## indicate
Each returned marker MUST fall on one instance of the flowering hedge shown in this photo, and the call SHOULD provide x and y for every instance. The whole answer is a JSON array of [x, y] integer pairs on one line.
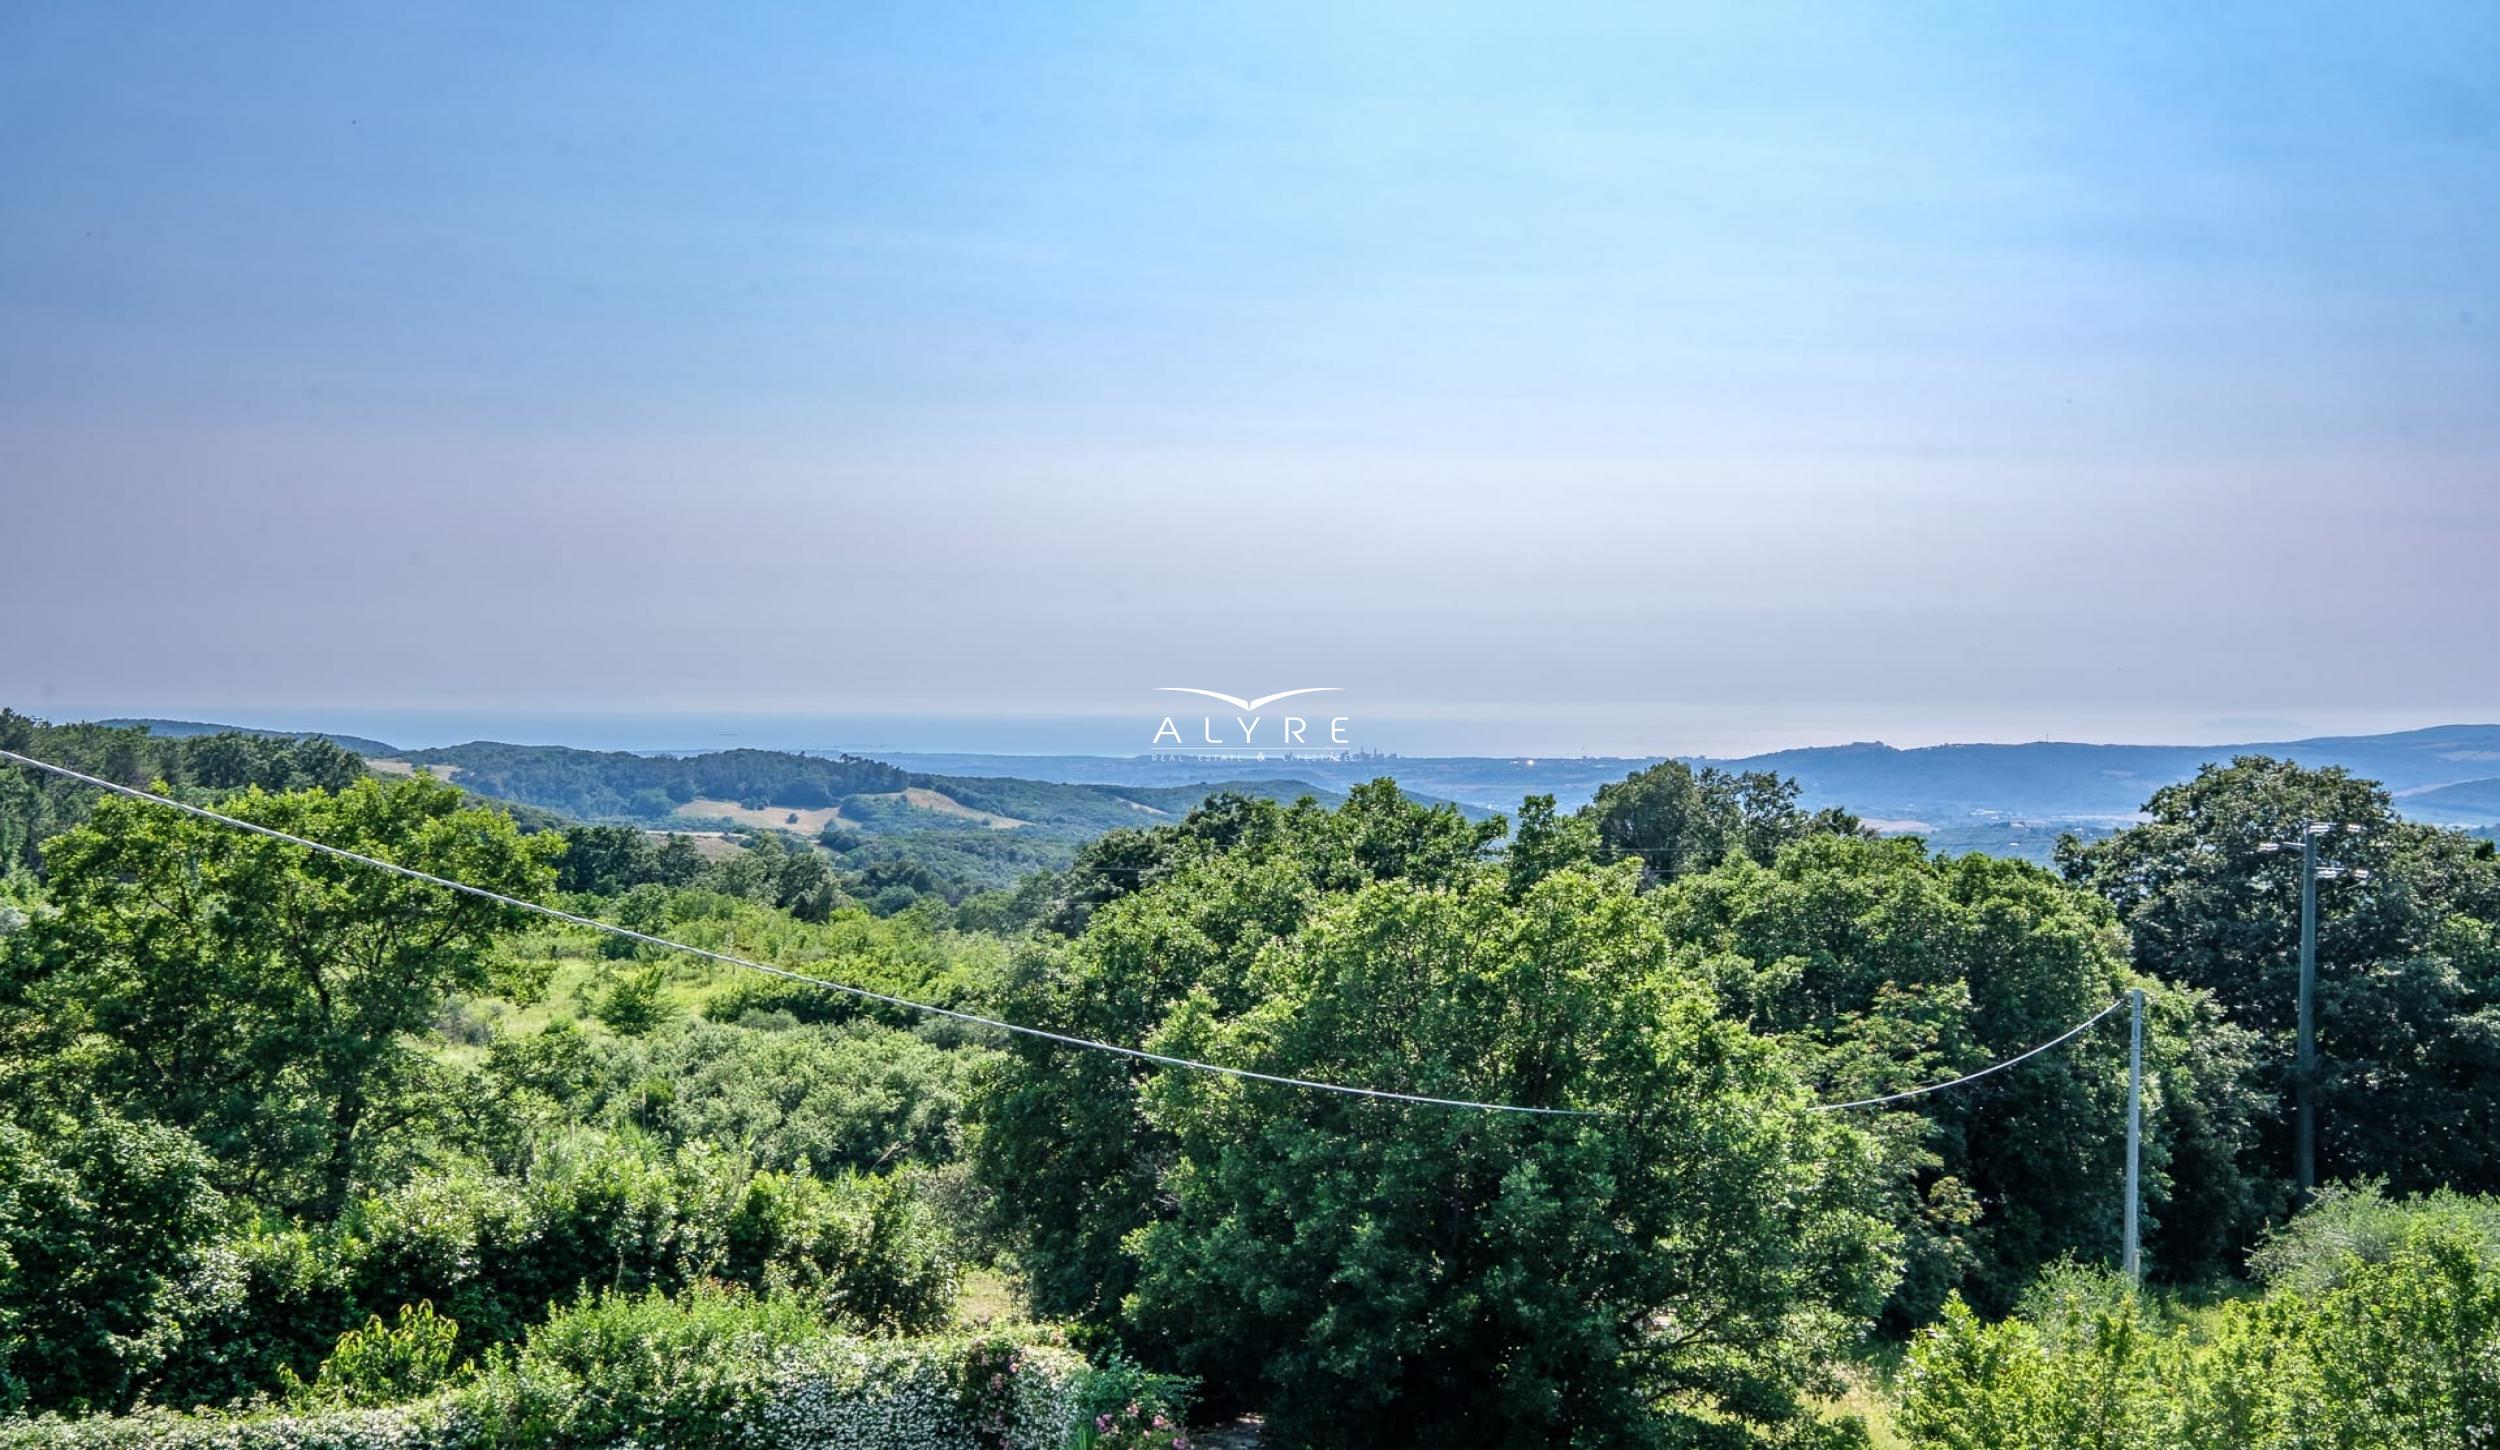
[[423, 1426], [709, 1368]]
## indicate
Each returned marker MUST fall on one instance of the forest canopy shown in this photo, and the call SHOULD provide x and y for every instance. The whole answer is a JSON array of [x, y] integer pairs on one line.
[[289, 1141]]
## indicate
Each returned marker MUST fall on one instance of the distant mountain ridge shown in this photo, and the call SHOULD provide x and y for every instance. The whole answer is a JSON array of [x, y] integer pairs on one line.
[[2471, 802], [1938, 785], [1996, 796], [2072, 779], [184, 729]]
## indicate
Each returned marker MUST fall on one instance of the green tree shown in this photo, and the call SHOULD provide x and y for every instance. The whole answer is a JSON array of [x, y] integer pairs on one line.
[[1382, 1274], [1069, 1146], [1675, 820], [1378, 1274], [2408, 961], [1886, 969], [606, 860], [634, 1002], [1546, 842], [264, 998]]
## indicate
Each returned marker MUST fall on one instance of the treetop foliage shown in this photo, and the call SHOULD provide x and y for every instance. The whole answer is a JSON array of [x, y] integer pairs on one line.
[[2408, 959], [34, 808], [278, 1125]]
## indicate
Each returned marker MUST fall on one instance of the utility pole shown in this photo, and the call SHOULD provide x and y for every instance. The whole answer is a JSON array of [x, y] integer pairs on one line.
[[2305, 1127], [2305, 1048], [2135, 1137]]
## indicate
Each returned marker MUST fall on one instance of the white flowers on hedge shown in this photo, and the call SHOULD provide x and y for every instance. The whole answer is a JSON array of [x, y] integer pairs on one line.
[[895, 1395], [426, 1425], [862, 1394]]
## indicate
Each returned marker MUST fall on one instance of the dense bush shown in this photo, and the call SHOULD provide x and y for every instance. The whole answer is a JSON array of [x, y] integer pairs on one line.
[[910, 956], [426, 1425], [820, 1098], [2397, 1350], [106, 1235], [2358, 1224], [122, 1273], [715, 1368], [494, 1252], [708, 1368]]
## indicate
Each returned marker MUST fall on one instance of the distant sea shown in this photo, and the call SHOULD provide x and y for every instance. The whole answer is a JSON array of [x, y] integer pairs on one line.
[[688, 731], [1612, 732], [1117, 736]]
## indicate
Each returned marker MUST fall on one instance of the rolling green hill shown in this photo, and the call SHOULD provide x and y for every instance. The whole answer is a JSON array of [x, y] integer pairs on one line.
[[755, 787], [2471, 802], [189, 729]]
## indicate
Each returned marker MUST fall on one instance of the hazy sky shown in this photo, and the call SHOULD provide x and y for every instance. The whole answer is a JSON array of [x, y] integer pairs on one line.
[[1631, 378]]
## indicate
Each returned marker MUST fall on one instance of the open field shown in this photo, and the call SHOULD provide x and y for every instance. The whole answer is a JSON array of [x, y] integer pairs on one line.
[[945, 805], [779, 818], [387, 766]]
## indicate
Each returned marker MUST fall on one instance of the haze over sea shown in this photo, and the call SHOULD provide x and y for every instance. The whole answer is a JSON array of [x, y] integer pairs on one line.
[[1516, 731]]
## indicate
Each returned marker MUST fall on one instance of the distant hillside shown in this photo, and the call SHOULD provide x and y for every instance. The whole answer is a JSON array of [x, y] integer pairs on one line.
[[184, 729], [2472, 802], [1016, 811], [985, 831], [1941, 786], [2061, 779], [2013, 800], [769, 787]]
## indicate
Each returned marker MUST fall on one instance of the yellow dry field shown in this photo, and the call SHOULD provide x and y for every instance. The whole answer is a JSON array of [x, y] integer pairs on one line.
[[710, 845], [947, 805], [401, 767], [775, 817]]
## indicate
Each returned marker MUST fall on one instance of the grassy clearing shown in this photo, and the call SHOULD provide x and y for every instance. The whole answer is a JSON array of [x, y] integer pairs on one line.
[[402, 767], [778, 818], [989, 1297], [939, 803]]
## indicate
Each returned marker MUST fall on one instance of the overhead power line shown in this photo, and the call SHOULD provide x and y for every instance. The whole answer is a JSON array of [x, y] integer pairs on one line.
[[2059, 1040], [929, 1008], [726, 958]]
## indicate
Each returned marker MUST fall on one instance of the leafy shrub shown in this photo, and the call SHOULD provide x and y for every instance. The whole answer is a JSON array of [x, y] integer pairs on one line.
[[385, 1364], [2352, 1223], [2084, 1384], [825, 1099], [106, 1234], [2392, 1351], [494, 1252], [426, 1425], [710, 1367], [632, 1003], [639, 1366], [716, 1367], [1126, 1407], [282, 1304]]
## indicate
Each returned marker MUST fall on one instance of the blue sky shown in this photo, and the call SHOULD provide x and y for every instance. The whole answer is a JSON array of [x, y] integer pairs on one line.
[[1622, 378]]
